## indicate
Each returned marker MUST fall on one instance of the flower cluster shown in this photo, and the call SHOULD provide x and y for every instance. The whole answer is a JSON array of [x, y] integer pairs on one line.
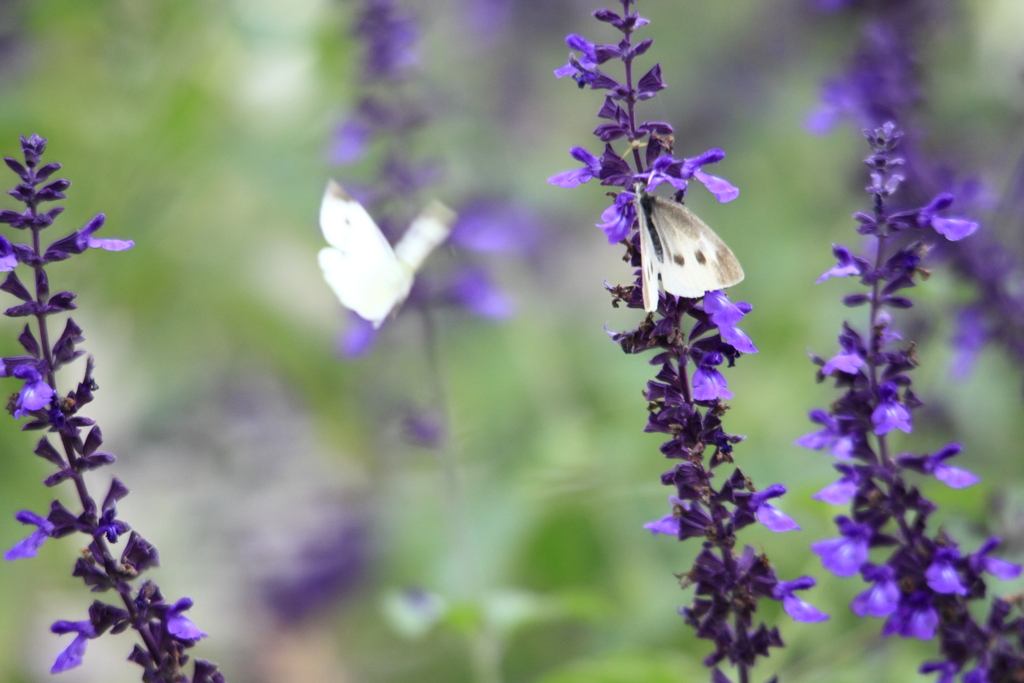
[[692, 338], [883, 82], [922, 584], [388, 116], [166, 633]]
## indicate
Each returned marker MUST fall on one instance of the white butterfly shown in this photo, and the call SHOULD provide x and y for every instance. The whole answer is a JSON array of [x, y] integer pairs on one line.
[[677, 246], [369, 276]]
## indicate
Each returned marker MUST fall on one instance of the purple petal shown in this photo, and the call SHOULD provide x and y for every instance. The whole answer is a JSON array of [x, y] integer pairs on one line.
[[775, 519], [737, 338], [954, 477], [953, 229], [358, 338], [180, 626], [890, 415], [842, 449], [35, 395], [71, 656], [473, 289], [802, 611], [942, 577], [709, 384], [838, 493], [567, 70], [838, 271], [880, 600], [110, 244], [841, 556], [722, 190], [668, 525], [28, 547], [351, 141], [849, 363], [922, 624], [1001, 569], [571, 178]]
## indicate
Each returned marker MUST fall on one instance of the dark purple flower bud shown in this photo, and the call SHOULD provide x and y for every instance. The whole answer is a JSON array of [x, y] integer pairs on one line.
[[934, 464], [844, 556], [139, 554], [117, 490], [914, 618], [883, 598], [12, 285], [72, 655], [889, 414], [650, 83], [91, 575], [205, 672], [30, 546], [794, 606]]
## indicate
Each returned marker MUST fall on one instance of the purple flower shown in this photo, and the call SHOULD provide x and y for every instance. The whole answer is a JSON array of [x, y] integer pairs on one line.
[[359, 337], [841, 445], [883, 598], [840, 492], [73, 653], [34, 394], [794, 606], [941, 573], [849, 363], [669, 524], [179, 625], [8, 260], [708, 383], [665, 169], [980, 561], [844, 556], [30, 546], [591, 169], [472, 289], [619, 217], [725, 315], [934, 464], [914, 618], [847, 265], [889, 414], [722, 190], [769, 515], [953, 229]]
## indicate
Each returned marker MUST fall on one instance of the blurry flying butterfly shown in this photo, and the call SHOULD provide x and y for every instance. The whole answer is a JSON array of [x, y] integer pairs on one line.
[[361, 267], [678, 247]]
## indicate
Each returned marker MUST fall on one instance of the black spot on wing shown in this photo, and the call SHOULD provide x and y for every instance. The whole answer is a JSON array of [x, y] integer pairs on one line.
[[678, 258], [700, 257]]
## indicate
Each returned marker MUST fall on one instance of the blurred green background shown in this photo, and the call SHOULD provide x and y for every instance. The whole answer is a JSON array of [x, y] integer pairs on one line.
[[200, 128]]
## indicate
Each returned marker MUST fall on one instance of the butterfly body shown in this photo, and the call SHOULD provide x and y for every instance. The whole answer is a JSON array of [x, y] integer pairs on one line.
[[678, 248], [368, 275]]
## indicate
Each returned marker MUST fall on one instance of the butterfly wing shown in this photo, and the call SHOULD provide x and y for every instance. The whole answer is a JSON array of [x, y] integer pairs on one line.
[[360, 265], [650, 253], [694, 260], [427, 231]]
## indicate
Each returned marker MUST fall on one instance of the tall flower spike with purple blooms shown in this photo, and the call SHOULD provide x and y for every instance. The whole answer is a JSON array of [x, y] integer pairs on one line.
[[686, 397], [924, 585], [884, 82], [387, 117], [164, 630]]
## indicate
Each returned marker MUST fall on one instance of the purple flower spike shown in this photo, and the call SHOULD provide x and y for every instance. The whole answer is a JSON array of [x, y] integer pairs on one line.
[[844, 556], [941, 573], [889, 414], [980, 561], [841, 491], [914, 618], [953, 477], [30, 546], [883, 598], [73, 653], [794, 606], [591, 169]]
